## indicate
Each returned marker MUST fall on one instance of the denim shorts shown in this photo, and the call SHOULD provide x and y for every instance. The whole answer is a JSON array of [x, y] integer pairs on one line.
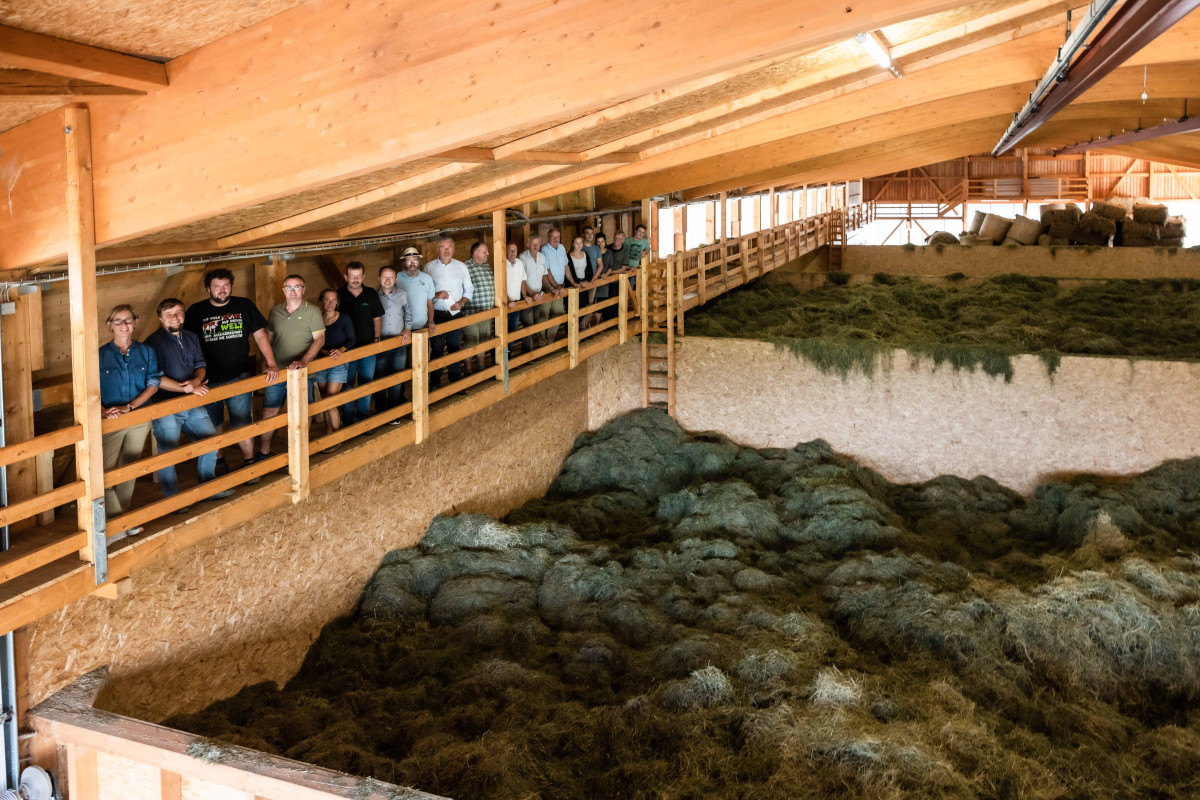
[[335, 374], [239, 407], [276, 392]]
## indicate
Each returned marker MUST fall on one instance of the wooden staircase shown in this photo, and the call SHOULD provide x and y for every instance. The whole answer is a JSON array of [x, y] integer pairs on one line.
[[837, 240]]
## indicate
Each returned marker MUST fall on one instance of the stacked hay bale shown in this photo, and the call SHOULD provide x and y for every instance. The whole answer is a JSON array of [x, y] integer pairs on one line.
[[976, 223], [1060, 221], [1093, 228], [1173, 232], [1024, 231], [995, 227]]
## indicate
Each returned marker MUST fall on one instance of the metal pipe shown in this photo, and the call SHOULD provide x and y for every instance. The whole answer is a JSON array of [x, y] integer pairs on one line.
[[1135, 25], [1184, 125], [1057, 71]]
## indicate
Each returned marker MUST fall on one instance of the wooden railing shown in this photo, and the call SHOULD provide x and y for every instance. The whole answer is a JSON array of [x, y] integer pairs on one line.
[[107, 756], [711, 270], [44, 554]]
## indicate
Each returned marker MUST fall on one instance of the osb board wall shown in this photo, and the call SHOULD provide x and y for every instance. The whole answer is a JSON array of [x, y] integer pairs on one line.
[[614, 382], [244, 606], [912, 422], [1058, 262]]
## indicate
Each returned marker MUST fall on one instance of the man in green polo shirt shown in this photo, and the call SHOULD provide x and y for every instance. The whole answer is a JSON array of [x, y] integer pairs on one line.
[[297, 331]]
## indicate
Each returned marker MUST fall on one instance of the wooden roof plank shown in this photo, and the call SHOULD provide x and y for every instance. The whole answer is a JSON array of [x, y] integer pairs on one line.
[[33, 51]]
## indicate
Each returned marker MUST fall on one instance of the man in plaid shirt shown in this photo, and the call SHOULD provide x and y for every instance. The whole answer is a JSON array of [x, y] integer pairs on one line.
[[483, 298]]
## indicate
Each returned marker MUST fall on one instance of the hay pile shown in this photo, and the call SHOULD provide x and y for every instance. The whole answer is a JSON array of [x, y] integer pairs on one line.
[[684, 617], [968, 325]]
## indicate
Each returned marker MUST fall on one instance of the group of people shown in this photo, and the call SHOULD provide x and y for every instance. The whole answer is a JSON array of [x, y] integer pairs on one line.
[[200, 347]]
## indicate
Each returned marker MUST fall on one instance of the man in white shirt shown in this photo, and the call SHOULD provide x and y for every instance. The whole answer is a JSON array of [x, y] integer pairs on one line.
[[539, 283], [452, 291], [556, 265], [519, 295]]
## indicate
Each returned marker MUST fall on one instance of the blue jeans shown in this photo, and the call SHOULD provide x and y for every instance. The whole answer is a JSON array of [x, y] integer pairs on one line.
[[360, 372], [389, 363], [239, 407], [196, 423], [441, 344], [514, 321]]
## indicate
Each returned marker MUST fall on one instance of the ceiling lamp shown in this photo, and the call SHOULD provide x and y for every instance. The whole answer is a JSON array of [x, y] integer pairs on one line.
[[877, 47]]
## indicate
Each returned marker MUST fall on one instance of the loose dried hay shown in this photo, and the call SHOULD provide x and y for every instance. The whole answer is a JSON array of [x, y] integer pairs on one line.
[[1045, 644]]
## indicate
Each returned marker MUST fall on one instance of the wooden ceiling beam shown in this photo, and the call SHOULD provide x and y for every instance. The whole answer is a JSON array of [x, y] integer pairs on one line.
[[235, 129], [771, 165], [631, 106], [27, 86], [486, 155], [461, 196], [343, 206], [836, 81], [524, 194], [33, 51]]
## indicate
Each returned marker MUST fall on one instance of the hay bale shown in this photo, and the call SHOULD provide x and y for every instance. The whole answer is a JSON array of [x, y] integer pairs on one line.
[[1170, 242], [1011, 242], [1108, 210], [1174, 228], [1138, 234], [976, 241], [995, 227], [1065, 214], [1097, 225], [941, 237], [1025, 230], [1150, 214], [1062, 230], [977, 220], [1045, 240]]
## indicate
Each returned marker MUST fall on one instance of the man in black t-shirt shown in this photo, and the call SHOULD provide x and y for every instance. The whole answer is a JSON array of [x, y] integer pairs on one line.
[[225, 325], [361, 303]]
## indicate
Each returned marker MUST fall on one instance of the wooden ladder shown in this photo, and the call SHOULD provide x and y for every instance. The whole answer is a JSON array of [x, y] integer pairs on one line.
[[837, 240], [658, 357]]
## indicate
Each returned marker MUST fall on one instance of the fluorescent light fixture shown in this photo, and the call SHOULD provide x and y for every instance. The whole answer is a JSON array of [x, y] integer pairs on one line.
[[873, 43]]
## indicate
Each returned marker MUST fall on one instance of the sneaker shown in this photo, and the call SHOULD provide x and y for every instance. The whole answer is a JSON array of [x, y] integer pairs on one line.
[[221, 495], [396, 422]]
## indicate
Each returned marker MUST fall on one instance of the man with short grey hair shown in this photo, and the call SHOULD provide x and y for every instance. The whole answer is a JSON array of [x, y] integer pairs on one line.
[[452, 291]]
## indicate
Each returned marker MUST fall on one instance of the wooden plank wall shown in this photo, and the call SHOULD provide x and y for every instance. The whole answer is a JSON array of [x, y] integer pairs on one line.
[[1111, 176]]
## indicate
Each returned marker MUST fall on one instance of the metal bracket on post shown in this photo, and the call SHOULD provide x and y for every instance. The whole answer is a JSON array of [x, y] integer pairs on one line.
[[100, 540], [505, 369]]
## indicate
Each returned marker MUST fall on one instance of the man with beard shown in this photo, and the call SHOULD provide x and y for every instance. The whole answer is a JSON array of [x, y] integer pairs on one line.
[[183, 372], [225, 324]]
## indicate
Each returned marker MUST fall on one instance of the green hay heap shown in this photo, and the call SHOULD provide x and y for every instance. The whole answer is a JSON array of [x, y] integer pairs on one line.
[[978, 326], [683, 617]]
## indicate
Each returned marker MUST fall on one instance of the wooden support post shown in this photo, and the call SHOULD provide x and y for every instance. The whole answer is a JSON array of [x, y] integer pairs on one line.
[[82, 779], [677, 223], [573, 325], [722, 218], [710, 223], [735, 219], [44, 480], [85, 345], [644, 325], [420, 385], [170, 785], [672, 269], [268, 284], [18, 399], [500, 271], [756, 212], [622, 309], [297, 427], [648, 220]]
